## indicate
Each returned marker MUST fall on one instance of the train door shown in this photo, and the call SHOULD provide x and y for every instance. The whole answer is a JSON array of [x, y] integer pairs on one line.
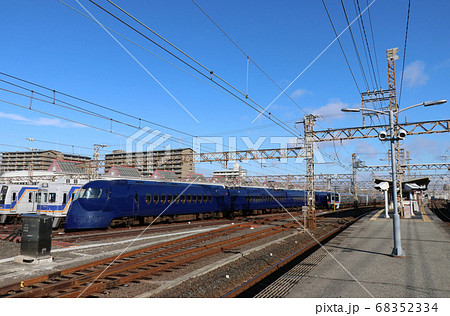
[[3, 201], [27, 202], [135, 204], [42, 200]]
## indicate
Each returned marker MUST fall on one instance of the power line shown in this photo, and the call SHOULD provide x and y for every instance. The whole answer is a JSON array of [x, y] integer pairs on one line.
[[365, 45], [78, 110], [210, 74], [247, 56], [355, 46], [340, 45], [368, 48], [81, 109], [404, 53], [373, 43]]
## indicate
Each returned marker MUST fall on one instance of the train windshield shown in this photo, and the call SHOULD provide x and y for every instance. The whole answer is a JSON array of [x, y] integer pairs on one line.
[[90, 193]]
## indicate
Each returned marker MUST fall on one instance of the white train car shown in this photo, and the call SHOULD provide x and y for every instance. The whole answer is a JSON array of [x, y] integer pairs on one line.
[[17, 199], [54, 199]]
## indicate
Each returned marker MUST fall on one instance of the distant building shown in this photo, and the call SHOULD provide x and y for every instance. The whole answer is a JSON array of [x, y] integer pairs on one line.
[[236, 172], [150, 161], [37, 160]]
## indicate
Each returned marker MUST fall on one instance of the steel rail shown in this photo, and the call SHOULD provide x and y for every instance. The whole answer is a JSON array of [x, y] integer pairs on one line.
[[248, 284], [17, 287]]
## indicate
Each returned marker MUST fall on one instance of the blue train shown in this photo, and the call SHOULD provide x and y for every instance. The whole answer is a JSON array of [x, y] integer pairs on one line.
[[99, 202]]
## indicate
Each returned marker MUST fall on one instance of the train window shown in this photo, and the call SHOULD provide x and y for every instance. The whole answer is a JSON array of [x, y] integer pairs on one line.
[[194, 198], [90, 193], [163, 198], [182, 198], [14, 195], [210, 198], [136, 198], [199, 199], [64, 201], [38, 197], [156, 198], [45, 198], [30, 197], [169, 198], [176, 198], [188, 199], [205, 199], [67, 181], [52, 197], [148, 198]]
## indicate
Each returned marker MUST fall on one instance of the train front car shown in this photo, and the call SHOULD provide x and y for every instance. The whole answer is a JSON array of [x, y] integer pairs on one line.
[[90, 209]]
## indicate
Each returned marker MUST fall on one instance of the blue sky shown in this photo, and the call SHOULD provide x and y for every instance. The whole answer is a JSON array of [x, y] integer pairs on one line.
[[47, 43]]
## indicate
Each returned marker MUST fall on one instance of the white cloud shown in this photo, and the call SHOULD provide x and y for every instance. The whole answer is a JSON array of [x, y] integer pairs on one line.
[[332, 109], [298, 93], [14, 117], [425, 148], [41, 121], [415, 74], [366, 149]]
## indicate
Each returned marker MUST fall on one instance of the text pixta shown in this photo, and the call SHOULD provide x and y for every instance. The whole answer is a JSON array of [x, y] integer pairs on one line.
[[337, 308]]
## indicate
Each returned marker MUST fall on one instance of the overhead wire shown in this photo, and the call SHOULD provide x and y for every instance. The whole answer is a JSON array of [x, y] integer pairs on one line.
[[355, 46], [247, 56], [161, 38], [82, 110], [365, 48], [404, 53], [340, 45], [210, 75], [377, 85], [373, 43], [141, 23]]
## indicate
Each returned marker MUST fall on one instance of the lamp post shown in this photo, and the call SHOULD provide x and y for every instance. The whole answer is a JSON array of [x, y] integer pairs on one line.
[[393, 136]]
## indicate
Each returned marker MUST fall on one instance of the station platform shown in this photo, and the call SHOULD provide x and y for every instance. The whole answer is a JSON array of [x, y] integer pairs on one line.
[[358, 262]]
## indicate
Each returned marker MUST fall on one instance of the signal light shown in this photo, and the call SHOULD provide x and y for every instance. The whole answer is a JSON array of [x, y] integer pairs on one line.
[[382, 135], [402, 134]]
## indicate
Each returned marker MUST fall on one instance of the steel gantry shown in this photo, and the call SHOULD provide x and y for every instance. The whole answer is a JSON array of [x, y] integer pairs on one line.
[[244, 155], [363, 132], [424, 166]]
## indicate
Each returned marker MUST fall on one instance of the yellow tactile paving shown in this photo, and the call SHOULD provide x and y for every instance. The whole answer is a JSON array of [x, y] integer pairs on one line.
[[377, 215], [424, 215]]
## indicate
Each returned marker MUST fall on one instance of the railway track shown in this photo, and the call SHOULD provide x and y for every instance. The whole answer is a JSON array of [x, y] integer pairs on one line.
[[441, 209], [125, 232], [141, 264], [279, 283]]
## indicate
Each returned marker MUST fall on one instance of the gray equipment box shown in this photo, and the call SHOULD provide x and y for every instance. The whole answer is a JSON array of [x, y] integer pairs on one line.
[[36, 236]]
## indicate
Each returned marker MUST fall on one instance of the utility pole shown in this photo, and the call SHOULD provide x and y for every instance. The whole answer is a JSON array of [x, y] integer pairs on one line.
[[355, 164], [96, 160], [391, 57], [309, 149]]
